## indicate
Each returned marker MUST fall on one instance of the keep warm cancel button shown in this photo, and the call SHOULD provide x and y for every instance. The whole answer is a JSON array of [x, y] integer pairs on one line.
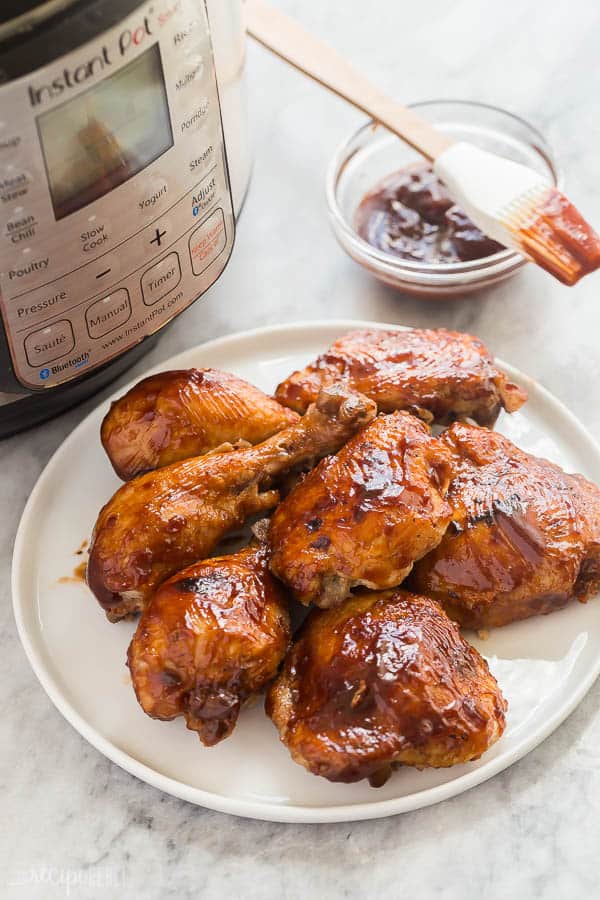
[[207, 241]]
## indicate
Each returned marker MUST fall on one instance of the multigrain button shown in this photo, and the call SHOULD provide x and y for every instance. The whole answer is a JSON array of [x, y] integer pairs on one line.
[[207, 241], [108, 313], [49, 343], [160, 279]]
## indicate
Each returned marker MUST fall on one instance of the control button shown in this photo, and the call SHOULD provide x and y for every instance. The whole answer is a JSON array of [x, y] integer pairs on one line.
[[155, 193], [14, 185], [20, 228], [49, 343], [204, 196], [10, 143], [191, 71], [158, 235], [160, 279], [207, 241], [108, 313], [93, 238], [37, 268], [106, 270]]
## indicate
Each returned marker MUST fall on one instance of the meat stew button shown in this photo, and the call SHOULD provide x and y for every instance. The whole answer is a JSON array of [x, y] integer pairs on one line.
[[161, 278], [108, 313], [49, 343]]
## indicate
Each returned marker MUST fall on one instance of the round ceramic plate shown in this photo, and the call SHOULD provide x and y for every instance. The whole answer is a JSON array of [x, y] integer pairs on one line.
[[544, 665]]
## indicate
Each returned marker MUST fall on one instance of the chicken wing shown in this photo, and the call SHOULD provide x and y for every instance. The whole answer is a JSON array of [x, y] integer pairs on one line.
[[364, 516], [176, 415], [384, 679], [524, 537], [167, 519], [438, 375], [212, 636]]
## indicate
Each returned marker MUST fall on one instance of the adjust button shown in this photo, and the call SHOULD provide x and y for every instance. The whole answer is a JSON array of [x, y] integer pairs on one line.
[[50, 343], [160, 279], [108, 313]]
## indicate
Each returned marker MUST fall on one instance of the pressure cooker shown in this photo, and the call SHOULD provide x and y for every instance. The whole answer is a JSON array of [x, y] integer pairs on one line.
[[123, 165]]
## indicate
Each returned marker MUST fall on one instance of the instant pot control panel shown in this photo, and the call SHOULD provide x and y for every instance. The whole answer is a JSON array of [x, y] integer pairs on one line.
[[115, 204]]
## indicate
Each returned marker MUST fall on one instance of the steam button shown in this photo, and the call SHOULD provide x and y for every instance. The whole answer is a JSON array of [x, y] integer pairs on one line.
[[49, 343]]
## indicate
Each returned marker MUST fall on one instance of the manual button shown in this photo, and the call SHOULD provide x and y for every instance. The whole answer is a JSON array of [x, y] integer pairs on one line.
[[108, 313], [49, 343], [160, 279]]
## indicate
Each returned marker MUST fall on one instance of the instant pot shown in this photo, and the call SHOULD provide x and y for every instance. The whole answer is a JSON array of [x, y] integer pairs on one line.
[[123, 164]]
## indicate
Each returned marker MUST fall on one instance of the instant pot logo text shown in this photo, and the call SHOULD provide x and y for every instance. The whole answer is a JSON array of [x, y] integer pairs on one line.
[[105, 57]]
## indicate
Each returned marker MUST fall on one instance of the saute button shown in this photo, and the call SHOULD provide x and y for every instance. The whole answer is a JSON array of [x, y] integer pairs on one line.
[[108, 313], [207, 241], [49, 343], [161, 278]]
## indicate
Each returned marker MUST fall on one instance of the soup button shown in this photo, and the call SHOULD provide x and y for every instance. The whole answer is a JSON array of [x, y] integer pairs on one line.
[[49, 343]]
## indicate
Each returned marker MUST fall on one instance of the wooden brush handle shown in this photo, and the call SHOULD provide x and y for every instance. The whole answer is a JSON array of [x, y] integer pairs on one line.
[[307, 53]]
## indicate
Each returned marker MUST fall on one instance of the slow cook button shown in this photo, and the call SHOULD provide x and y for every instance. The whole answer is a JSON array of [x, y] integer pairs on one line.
[[207, 241], [108, 313], [160, 279], [49, 343]]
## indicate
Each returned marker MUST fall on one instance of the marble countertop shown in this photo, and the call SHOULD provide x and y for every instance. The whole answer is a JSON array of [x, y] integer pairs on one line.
[[532, 831]]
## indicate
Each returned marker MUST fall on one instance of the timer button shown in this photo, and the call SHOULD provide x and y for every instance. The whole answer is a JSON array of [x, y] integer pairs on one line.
[[160, 279], [49, 343], [108, 313]]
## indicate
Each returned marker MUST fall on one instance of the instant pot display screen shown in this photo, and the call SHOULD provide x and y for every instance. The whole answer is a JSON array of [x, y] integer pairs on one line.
[[107, 134]]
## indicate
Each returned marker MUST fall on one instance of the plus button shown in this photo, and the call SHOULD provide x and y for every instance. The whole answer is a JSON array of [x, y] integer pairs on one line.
[[157, 237]]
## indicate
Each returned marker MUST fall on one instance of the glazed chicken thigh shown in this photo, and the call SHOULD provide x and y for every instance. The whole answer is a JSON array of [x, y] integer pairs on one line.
[[212, 636], [175, 415], [384, 679], [364, 516], [438, 375], [167, 519], [524, 537]]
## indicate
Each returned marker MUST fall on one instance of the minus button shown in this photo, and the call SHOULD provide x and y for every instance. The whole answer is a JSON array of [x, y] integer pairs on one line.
[[102, 274]]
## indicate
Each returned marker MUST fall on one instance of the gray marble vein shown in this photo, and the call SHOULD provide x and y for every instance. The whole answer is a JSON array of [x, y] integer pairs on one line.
[[72, 823]]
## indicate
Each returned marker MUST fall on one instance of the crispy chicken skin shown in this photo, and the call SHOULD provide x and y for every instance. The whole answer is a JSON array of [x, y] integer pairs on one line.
[[364, 516], [212, 636], [167, 519], [384, 679], [176, 415], [524, 537], [438, 375]]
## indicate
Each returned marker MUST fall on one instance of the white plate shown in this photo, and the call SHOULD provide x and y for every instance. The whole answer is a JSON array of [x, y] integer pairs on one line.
[[544, 665]]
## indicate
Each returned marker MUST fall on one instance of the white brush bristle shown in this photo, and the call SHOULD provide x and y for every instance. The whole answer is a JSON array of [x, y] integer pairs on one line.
[[498, 194]]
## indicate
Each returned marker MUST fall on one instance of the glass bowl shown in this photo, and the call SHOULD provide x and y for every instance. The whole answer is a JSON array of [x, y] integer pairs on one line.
[[372, 153]]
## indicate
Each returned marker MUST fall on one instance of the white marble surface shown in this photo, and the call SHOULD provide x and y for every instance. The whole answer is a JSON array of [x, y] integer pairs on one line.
[[70, 816]]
